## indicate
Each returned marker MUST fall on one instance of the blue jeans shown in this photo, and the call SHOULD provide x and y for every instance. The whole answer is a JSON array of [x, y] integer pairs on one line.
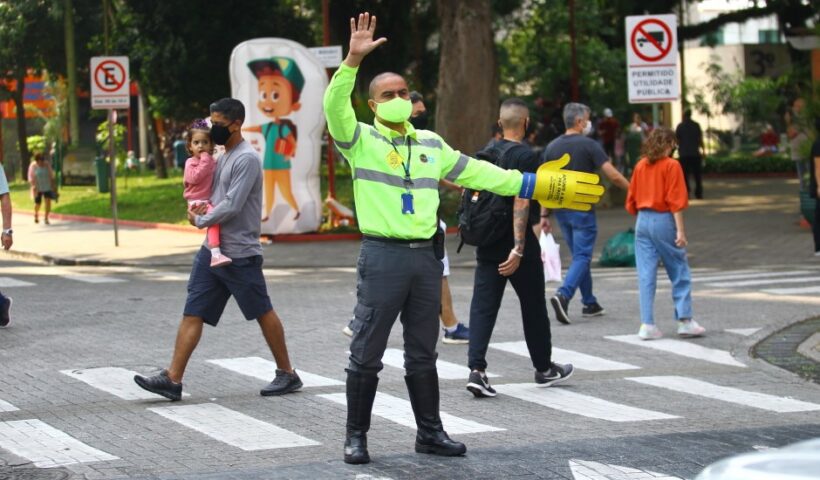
[[579, 230], [655, 234]]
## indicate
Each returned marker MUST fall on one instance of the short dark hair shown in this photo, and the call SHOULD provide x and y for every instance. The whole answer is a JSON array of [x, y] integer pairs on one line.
[[415, 97], [231, 108], [687, 113]]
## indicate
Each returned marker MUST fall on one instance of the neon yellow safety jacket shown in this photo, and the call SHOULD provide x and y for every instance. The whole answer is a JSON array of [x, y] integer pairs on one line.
[[377, 157]]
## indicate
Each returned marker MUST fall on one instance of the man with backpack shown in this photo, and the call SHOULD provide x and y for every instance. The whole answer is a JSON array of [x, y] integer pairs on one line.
[[579, 227], [501, 228]]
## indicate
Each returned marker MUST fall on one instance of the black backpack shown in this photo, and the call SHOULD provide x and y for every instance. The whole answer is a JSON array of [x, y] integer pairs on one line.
[[484, 217]]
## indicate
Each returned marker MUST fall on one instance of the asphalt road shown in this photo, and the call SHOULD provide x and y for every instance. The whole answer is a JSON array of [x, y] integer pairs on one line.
[[68, 409]]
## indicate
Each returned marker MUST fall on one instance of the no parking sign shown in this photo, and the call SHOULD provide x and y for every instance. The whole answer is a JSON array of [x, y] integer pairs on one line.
[[652, 58], [109, 83]]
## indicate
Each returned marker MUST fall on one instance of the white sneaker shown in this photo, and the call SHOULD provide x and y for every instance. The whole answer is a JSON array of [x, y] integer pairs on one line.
[[649, 332], [690, 328], [347, 331]]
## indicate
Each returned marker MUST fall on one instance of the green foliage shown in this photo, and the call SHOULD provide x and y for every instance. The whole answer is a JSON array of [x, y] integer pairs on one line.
[[757, 100], [36, 144], [744, 162], [102, 137]]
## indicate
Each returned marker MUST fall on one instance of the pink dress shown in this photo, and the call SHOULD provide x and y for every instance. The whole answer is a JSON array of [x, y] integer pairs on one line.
[[197, 179]]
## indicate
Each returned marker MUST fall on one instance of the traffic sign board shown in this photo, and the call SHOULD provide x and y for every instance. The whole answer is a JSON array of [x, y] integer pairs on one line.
[[109, 83], [652, 59]]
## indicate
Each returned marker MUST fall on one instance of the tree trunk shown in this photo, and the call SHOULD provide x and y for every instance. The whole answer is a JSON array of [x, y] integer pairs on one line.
[[468, 74], [21, 124], [71, 68], [153, 138]]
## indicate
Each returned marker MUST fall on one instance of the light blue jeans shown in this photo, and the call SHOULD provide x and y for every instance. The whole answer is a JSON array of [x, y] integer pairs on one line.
[[655, 234], [579, 230]]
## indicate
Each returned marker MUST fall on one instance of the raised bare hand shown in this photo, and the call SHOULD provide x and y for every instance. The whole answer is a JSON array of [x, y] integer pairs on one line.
[[361, 36]]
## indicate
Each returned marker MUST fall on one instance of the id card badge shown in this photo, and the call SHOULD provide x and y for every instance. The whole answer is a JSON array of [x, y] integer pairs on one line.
[[407, 203]]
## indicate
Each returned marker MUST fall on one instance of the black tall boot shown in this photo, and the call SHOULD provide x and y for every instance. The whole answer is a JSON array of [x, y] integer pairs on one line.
[[361, 391], [424, 397]]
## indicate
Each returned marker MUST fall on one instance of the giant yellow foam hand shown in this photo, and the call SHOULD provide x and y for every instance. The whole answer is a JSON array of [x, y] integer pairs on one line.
[[559, 188]]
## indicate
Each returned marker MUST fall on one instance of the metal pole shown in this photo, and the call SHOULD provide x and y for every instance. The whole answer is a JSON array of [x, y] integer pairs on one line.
[[655, 115], [331, 167], [112, 118]]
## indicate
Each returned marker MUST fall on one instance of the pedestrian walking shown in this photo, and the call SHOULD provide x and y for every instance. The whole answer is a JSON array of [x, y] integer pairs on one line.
[[608, 130], [7, 240], [396, 172], [41, 179], [797, 133], [198, 178], [657, 195], [237, 200], [579, 228], [691, 150], [814, 188], [515, 257]]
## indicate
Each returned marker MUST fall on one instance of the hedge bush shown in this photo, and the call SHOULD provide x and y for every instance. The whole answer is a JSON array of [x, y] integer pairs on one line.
[[745, 162]]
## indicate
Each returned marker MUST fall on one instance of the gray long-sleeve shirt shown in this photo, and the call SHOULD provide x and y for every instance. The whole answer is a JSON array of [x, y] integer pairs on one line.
[[237, 198]]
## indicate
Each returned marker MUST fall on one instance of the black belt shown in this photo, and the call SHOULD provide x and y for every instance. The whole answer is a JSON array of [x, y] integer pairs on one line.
[[409, 243]]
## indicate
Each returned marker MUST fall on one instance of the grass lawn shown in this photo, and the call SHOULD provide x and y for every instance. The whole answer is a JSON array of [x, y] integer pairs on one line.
[[149, 199]]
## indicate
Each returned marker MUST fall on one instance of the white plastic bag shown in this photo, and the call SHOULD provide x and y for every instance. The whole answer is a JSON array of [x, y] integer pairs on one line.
[[551, 256]]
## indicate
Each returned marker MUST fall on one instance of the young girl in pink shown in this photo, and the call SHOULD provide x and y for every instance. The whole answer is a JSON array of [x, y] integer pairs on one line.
[[198, 178]]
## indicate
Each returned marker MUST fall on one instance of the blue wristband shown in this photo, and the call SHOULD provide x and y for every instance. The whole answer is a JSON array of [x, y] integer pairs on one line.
[[527, 186]]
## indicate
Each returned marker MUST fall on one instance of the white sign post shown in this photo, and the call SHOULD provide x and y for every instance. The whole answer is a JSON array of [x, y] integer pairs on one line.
[[110, 90], [652, 58]]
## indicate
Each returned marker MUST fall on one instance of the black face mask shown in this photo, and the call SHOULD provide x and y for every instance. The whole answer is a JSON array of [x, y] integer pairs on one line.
[[220, 134], [420, 122]]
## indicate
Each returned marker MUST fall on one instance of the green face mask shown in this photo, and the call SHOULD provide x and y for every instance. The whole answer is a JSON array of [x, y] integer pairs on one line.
[[396, 110]]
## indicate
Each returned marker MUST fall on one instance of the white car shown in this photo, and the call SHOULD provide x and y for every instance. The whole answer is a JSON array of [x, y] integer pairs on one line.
[[800, 461]]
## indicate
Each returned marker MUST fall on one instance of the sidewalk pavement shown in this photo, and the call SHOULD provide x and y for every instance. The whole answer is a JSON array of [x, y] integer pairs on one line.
[[743, 222]]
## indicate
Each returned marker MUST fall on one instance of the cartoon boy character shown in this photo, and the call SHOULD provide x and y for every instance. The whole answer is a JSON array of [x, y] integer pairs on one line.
[[280, 84]]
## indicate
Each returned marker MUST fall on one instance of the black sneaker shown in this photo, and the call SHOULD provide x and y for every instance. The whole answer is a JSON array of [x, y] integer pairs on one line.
[[5, 309], [592, 310], [560, 304], [556, 373], [479, 385], [161, 385], [283, 383]]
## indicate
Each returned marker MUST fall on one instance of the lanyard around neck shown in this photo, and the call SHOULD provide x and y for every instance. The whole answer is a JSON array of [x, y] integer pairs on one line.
[[408, 182]]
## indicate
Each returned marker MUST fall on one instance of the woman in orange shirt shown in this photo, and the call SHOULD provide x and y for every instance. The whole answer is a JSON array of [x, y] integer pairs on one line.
[[657, 195]]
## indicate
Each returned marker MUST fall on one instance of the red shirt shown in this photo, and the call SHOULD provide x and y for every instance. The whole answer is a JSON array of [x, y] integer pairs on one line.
[[609, 128], [659, 186]]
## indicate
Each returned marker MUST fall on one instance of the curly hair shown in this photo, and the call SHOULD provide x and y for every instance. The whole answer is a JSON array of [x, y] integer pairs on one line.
[[660, 140]]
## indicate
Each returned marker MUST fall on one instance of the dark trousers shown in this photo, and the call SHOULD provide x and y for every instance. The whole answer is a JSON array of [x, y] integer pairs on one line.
[[393, 279], [816, 227], [692, 167], [488, 290]]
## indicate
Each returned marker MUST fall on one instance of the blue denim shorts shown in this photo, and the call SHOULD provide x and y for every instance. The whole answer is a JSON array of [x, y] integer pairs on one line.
[[210, 288]]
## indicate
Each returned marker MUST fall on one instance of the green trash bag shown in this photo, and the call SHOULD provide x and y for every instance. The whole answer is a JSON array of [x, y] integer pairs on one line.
[[619, 250]]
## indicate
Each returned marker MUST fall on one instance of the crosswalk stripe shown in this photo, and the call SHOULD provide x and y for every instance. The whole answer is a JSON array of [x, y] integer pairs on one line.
[[7, 407], [679, 347], [579, 360], [446, 370], [46, 446], [94, 279], [400, 411], [587, 406], [747, 276], [263, 369], [792, 291], [753, 283], [700, 388], [746, 332], [7, 282], [232, 427], [114, 380]]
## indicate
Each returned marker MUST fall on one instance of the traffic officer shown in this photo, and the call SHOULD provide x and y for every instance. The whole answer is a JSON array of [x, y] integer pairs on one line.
[[396, 171]]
